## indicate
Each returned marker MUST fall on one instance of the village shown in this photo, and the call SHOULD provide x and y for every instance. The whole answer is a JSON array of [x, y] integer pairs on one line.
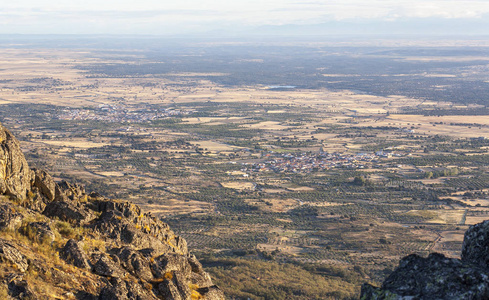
[[118, 114], [307, 162]]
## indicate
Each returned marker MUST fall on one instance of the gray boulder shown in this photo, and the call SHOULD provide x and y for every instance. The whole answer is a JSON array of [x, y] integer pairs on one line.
[[65, 191]]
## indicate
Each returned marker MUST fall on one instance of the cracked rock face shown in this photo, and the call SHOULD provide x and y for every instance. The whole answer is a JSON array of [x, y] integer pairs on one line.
[[15, 175]]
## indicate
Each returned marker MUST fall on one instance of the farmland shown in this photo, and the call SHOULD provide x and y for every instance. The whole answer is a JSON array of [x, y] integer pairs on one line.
[[333, 180]]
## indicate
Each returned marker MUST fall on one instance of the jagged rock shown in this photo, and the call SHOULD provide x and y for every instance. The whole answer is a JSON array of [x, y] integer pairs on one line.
[[134, 262], [45, 183], [438, 277], [15, 175], [169, 290], [144, 223], [182, 284], [9, 218], [475, 248], [126, 209], [125, 290], [42, 231], [10, 254], [113, 225], [434, 277], [106, 266], [73, 253], [167, 263], [73, 213], [198, 277], [65, 190]]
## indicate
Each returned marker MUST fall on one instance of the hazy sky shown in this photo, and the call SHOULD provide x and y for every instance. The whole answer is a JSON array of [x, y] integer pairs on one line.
[[228, 16]]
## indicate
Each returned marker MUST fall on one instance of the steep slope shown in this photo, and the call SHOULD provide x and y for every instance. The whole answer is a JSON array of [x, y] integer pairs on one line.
[[57, 242], [439, 277]]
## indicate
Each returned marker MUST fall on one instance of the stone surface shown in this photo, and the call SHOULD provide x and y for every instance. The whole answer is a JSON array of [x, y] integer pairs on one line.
[[134, 262], [45, 183], [169, 290], [166, 263], [106, 266], [15, 175], [211, 293], [42, 231], [73, 253], [475, 248], [10, 254], [9, 218], [73, 213], [125, 290]]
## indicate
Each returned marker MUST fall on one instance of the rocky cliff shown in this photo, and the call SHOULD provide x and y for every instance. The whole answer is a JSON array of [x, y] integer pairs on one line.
[[439, 277], [58, 242]]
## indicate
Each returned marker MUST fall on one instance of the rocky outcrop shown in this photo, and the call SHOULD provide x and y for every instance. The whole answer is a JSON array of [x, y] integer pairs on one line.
[[475, 248], [73, 213], [127, 254], [439, 277], [15, 175]]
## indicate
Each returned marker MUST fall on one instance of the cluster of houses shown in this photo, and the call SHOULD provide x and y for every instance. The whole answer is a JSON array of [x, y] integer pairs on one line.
[[309, 162], [112, 113]]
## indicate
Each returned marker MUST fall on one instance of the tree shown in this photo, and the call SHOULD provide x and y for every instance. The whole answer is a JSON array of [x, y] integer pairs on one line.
[[359, 180]]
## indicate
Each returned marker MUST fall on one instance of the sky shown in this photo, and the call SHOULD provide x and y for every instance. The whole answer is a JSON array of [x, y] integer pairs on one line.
[[232, 17]]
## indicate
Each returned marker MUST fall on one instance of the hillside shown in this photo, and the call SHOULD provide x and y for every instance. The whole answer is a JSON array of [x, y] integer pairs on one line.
[[58, 242]]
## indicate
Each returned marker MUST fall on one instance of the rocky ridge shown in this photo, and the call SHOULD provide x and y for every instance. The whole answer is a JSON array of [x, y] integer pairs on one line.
[[440, 277], [58, 242]]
